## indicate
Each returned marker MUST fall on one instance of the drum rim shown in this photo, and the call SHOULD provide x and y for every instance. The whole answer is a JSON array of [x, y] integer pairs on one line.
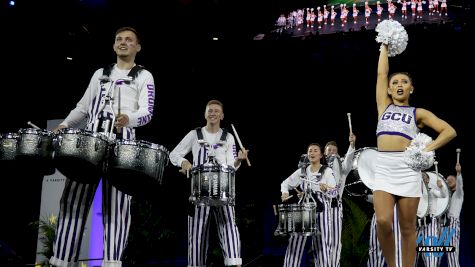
[[356, 158], [84, 132], [43, 132], [426, 212], [141, 143], [213, 167], [10, 135], [297, 204]]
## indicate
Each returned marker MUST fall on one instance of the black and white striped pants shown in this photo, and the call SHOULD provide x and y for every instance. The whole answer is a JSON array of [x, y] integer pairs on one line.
[[375, 257], [74, 208], [198, 235]]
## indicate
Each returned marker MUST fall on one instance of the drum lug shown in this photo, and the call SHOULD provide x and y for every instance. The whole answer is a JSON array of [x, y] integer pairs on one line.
[[79, 142]]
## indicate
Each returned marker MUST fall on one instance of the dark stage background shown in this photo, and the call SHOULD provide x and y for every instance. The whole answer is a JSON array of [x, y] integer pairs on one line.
[[281, 95]]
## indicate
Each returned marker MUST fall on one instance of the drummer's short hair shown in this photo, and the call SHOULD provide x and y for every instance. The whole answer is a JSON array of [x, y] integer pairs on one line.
[[215, 102], [123, 29], [330, 143]]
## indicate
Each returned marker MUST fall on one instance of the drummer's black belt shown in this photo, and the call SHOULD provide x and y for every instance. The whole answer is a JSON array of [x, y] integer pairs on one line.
[[334, 202]]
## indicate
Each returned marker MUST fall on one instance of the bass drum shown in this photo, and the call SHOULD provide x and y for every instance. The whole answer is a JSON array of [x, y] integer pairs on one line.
[[423, 208], [363, 171], [442, 203]]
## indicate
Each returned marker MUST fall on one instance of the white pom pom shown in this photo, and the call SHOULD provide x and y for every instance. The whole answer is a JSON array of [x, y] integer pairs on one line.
[[393, 34], [415, 157]]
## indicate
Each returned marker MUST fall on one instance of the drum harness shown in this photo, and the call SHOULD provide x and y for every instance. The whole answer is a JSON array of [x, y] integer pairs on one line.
[[106, 120], [303, 164], [203, 143]]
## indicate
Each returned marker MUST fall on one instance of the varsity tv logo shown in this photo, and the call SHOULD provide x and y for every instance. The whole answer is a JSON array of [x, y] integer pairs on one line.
[[436, 245]]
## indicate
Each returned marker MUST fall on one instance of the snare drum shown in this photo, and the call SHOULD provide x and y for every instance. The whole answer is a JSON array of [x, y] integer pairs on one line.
[[80, 154], [213, 185], [136, 165], [8, 146], [441, 203], [364, 163], [423, 208], [299, 219]]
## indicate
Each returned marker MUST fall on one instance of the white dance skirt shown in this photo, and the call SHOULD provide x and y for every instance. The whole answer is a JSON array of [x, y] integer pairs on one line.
[[393, 175]]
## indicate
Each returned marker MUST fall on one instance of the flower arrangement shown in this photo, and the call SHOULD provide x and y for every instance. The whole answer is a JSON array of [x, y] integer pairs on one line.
[[47, 234]]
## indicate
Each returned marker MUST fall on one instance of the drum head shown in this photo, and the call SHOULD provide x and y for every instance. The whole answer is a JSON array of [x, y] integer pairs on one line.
[[442, 202], [364, 165], [423, 207]]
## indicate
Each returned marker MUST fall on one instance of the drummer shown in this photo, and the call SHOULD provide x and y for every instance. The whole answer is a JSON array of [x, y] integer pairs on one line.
[[135, 85], [428, 226], [341, 168], [210, 144], [314, 182]]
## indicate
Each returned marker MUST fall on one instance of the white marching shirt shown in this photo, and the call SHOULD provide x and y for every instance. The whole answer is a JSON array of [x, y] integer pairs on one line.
[[457, 199], [294, 180], [224, 152], [139, 112]]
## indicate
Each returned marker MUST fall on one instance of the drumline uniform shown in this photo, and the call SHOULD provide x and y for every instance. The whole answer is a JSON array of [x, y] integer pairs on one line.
[[429, 226], [198, 223], [392, 173], [137, 101], [453, 214], [375, 253], [336, 222], [321, 243]]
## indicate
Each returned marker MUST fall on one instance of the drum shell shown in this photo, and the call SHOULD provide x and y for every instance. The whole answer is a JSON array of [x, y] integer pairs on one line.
[[8, 146], [139, 156], [80, 154], [364, 164], [136, 167], [213, 185], [423, 206], [299, 219], [35, 143], [443, 203]]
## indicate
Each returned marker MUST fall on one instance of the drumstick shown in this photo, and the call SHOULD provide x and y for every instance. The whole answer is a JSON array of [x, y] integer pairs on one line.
[[458, 150], [36, 127], [436, 169], [119, 129], [287, 198], [275, 210], [349, 122], [240, 144]]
